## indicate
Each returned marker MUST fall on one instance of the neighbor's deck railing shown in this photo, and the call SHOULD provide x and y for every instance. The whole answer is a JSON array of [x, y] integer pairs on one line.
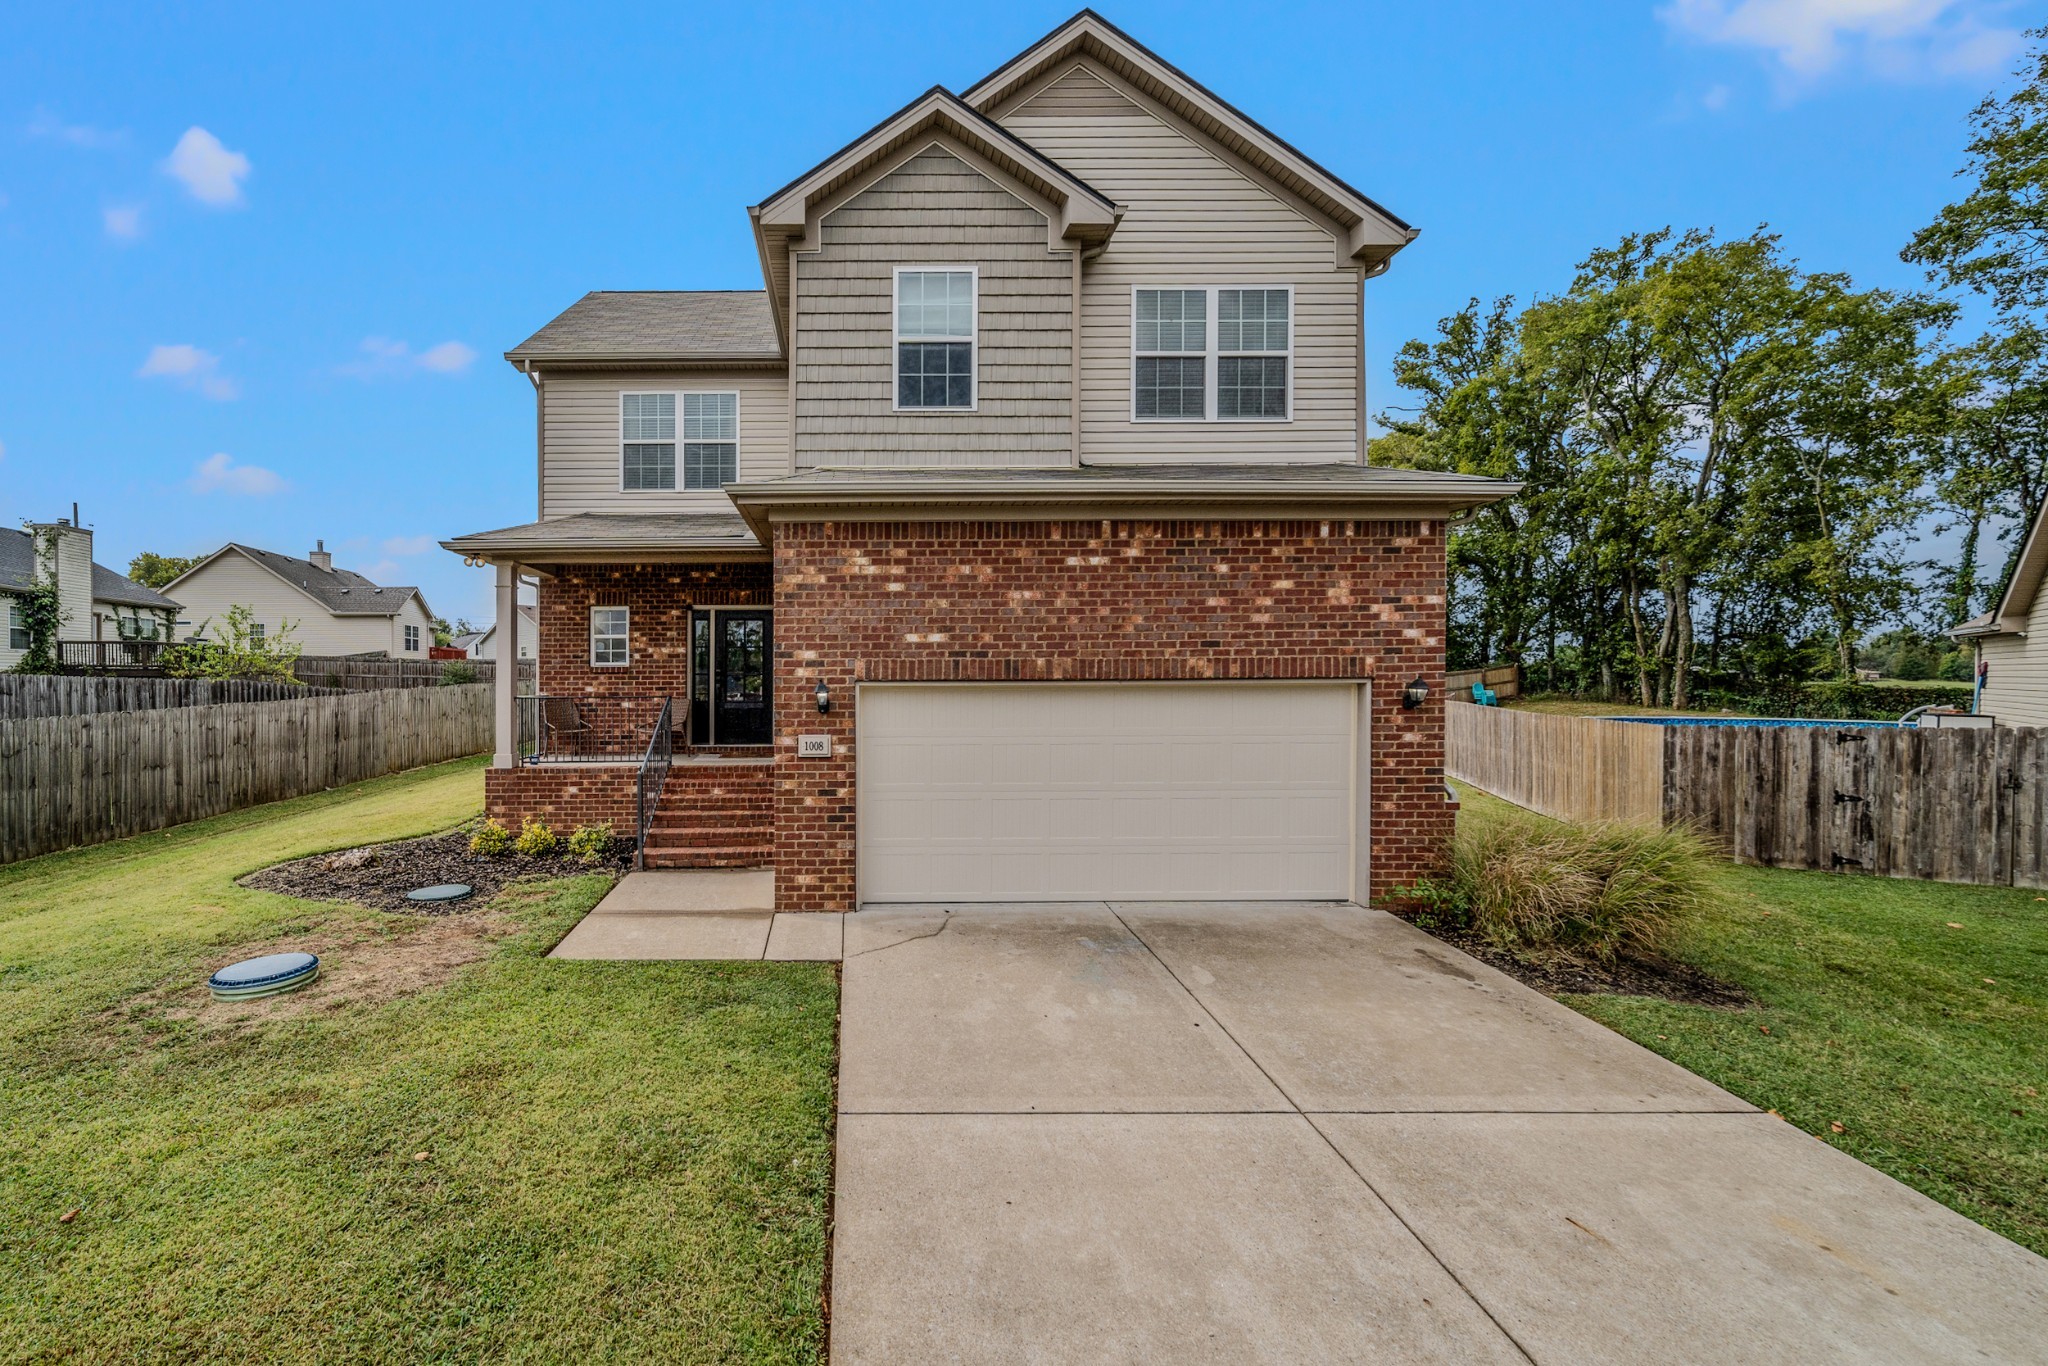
[[661, 753], [115, 656]]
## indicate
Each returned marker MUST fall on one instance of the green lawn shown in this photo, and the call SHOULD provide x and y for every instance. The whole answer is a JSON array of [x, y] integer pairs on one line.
[[1881, 1019], [625, 1161]]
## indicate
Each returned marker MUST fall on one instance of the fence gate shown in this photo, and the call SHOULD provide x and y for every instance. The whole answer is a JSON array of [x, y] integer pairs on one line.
[[1941, 805]]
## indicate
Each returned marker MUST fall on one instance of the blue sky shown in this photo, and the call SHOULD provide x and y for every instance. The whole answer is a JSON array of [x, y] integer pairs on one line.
[[258, 263]]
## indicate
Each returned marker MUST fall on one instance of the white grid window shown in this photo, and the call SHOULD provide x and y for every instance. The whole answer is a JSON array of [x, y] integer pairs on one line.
[[17, 628], [610, 637], [412, 639], [647, 436], [255, 633], [711, 440], [1211, 355], [935, 326]]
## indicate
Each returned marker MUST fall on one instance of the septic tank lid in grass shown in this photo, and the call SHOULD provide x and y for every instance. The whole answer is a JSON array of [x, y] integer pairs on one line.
[[265, 976], [444, 891]]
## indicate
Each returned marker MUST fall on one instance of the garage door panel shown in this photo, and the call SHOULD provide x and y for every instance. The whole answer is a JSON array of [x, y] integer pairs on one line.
[[1093, 791]]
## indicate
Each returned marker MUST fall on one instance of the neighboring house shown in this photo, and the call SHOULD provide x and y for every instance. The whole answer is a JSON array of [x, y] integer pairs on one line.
[[484, 643], [331, 611], [2012, 639], [97, 604], [1016, 542]]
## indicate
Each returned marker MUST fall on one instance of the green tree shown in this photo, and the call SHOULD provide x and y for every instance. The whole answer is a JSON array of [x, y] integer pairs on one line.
[[152, 570], [239, 651]]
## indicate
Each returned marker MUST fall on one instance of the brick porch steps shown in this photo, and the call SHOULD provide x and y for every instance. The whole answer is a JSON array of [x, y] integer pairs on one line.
[[715, 816]]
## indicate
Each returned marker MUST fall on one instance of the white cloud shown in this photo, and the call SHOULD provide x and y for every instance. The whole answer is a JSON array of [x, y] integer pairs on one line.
[[1895, 39], [44, 123], [1716, 98], [384, 571], [123, 222], [210, 172], [407, 545], [382, 357], [191, 368], [218, 473]]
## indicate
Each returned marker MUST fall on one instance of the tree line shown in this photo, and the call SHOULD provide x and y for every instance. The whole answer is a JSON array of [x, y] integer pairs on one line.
[[1729, 461]]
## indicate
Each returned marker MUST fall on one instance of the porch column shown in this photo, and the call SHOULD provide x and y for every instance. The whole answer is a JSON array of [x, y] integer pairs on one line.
[[506, 666]]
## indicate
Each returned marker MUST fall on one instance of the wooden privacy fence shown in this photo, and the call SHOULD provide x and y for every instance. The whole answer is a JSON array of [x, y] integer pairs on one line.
[[24, 696], [1572, 767], [1504, 679], [73, 780], [1945, 805], [353, 673]]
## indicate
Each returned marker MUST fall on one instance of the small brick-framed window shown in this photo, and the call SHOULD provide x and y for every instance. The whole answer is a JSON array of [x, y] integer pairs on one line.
[[936, 322], [611, 635], [1212, 354]]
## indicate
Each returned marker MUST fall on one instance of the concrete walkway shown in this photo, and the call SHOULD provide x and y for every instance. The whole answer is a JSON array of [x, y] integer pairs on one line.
[[700, 913], [1296, 1133]]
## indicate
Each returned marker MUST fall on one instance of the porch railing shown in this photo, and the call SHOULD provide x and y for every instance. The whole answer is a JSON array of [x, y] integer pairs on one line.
[[654, 767], [105, 656], [586, 729]]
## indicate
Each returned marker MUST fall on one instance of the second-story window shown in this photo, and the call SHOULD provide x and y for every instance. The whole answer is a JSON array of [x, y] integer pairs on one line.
[[935, 339], [1212, 355], [412, 639], [648, 440], [647, 429]]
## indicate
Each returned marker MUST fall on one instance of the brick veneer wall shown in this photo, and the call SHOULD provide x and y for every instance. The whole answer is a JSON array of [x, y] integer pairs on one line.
[[563, 796], [660, 596], [1126, 600]]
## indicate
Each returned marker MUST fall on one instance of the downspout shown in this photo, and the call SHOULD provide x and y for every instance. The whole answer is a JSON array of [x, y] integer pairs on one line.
[[1081, 258], [540, 441]]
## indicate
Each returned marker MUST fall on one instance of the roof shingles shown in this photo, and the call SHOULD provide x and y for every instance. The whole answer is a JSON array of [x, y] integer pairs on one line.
[[658, 324]]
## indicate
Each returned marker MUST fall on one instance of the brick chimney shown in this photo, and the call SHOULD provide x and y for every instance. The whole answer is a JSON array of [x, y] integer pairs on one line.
[[320, 558]]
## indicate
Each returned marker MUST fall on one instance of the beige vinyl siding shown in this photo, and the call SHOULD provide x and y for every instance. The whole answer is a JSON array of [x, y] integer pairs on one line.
[[235, 580], [2016, 690], [1192, 219], [580, 466], [933, 210]]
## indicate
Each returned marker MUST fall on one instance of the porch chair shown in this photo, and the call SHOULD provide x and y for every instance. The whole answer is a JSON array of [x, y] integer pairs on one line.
[[561, 723], [1485, 696]]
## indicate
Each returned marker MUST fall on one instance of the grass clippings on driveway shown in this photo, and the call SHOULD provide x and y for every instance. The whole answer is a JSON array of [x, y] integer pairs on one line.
[[622, 1161], [1904, 1022]]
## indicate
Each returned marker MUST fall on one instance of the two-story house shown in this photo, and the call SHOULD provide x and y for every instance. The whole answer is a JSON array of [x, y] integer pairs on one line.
[[1016, 541]]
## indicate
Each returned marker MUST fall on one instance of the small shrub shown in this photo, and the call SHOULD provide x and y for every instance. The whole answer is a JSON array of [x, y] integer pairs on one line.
[[491, 839], [1583, 891], [590, 843], [1435, 904], [457, 671], [536, 840]]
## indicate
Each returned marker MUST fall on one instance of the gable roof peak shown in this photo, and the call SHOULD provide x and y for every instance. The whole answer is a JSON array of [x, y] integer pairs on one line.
[[1373, 232]]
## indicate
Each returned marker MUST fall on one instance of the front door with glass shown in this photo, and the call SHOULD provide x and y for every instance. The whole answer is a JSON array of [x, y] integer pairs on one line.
[[731, 651]]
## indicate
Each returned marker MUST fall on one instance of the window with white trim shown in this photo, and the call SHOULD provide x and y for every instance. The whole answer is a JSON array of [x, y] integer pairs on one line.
[[17, 627], [1212, 355], [412, 639], [610, 637], [255, 633], [935, 329], [710, 440]]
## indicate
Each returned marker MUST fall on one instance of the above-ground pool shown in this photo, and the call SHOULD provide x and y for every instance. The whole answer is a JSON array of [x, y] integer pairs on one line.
[[1745, 721]]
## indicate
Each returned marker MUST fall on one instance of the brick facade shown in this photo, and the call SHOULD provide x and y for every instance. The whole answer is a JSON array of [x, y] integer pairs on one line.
[[563, 796], [1100, 600], [660, 596]]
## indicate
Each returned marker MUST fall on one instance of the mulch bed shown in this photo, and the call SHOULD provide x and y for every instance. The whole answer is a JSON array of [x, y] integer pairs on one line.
[[380, 875], [1629, 976]]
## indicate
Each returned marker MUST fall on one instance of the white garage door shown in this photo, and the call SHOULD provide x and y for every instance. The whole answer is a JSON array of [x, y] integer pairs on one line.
[[1071, 792]]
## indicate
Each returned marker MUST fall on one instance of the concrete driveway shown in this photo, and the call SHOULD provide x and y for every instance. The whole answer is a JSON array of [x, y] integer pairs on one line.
[[1293, 1133]]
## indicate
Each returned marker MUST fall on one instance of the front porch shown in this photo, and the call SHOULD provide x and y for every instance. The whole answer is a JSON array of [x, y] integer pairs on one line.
[[653, 709]]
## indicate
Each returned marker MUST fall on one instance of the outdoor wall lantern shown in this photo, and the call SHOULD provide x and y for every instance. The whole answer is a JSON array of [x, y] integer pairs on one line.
[[824, 696], [1415, 694]]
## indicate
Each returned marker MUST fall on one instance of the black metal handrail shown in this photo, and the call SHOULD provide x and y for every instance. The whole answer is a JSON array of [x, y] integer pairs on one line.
[[592, 729], [654, 767]]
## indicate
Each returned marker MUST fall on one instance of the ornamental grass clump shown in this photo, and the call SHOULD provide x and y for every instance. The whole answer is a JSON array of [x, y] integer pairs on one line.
[[1583, 891]]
